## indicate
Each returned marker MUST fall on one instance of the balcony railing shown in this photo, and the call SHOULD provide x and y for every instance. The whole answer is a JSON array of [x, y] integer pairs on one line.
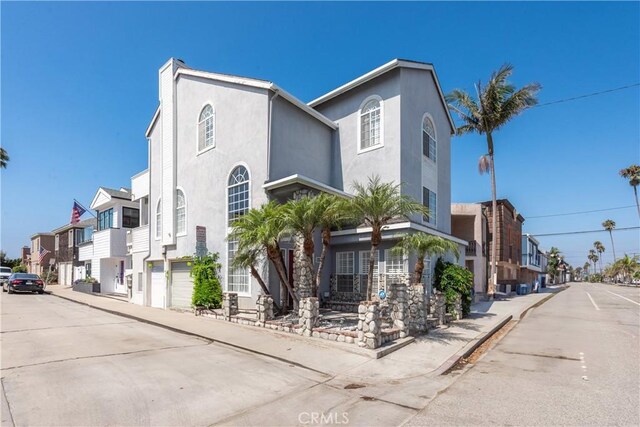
[[471, 249]]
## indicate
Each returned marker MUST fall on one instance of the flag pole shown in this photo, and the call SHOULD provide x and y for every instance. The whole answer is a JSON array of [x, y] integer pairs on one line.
[[85, 208]]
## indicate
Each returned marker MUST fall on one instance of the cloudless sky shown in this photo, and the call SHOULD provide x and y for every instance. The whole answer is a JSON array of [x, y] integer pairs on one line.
[[79, 87]]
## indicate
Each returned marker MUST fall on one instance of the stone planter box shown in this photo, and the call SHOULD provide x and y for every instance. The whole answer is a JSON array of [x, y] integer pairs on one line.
[[87, 288]]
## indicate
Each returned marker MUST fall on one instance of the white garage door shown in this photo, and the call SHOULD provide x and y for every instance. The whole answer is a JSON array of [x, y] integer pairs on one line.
[[157, 286], [62, 272], [181, 285], [68, 274]]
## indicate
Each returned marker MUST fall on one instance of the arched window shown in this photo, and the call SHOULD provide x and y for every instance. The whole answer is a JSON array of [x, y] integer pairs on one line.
[[159, 219], [206, 128], [428, 138], [370, 124], [181, 213], [238, 193]]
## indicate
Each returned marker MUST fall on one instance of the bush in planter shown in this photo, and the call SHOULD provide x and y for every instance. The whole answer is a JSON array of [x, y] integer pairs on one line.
[[19, 269], [453, 280], [207, 290]]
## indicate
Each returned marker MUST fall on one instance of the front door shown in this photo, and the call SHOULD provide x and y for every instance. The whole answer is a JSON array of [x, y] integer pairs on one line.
[[119, 285]]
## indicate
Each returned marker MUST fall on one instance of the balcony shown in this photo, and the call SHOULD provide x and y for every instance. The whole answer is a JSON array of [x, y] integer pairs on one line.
[[138, 239], [471, 250], [110, 242]]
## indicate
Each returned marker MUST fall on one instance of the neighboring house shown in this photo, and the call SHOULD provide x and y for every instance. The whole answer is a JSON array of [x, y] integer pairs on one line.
[[138, 241], [531, 269], [66, 241], [508, 241], [103, 254], [220, 145], [544, 276], [42, 243], [25, 255], [468, 222]]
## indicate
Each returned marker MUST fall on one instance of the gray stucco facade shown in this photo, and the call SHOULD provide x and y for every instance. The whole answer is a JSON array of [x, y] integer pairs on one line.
[[285, 145]]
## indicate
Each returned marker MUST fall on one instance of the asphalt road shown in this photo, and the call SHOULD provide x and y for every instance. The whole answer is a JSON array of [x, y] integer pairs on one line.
[[572, 361]]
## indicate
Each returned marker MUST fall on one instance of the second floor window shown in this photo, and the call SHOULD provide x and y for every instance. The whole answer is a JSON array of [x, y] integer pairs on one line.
[[370, 128], [70, 238], [130, 217], [428, 139], [181, 213], [83, 235], [206, 128], [238, 193], [105, 219], [429, 200], [159, 219]]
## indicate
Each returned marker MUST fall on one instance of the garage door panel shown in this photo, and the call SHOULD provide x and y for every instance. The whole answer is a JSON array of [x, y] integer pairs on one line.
[[181, 285], [157, 286]]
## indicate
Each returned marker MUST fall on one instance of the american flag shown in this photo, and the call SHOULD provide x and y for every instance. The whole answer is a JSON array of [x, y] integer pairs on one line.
[[76, 212], [42, 253]]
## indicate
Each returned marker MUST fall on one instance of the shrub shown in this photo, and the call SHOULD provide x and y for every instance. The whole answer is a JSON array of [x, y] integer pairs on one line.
[[19, 268], [595, 278], [207, 291], [453, 280]]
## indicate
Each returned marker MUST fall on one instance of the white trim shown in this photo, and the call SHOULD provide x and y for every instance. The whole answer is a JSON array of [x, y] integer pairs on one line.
[[309, 182], [295, 101], [153, 122], [435, 138], [362, 104], [400, 226], [140, 174], [155, 223], [184, 196], [381, 70], [70, 236], [212, 146]]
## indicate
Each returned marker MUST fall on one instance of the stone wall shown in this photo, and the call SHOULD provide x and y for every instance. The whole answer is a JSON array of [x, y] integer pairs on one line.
[[369, 332], [456, 311], [398, 307], [264, 306], [417, 308], [229, 304], [309, 315], [437, 307]]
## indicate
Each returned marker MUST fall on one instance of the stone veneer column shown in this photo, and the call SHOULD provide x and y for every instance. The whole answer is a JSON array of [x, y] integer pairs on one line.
[[229, 304], [417, 309], [457, 308], [438, 307], [399, 307], [302, 270], [309, 315], [264, 306], [369, 333]]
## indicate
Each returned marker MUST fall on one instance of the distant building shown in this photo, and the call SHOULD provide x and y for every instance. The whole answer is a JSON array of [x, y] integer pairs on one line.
[[67, 239], [534, 266], [38, 264], [469, 223], [25, 255]]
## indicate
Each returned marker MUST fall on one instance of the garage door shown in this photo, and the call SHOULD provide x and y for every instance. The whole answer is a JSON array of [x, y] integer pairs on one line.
[[68, 274], [181, 285], [62, 273], [157, 286]]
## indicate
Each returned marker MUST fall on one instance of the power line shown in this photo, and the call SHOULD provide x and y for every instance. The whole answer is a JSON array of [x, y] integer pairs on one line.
[[583, 232], [582, 212], [587, 95]]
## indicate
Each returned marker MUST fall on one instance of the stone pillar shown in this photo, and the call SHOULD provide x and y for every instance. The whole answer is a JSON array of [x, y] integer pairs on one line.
[[399, 307], [417, 309], [457, 308], [229, 304], [309, 315], [264, 306], [438, 307], [369, 333]]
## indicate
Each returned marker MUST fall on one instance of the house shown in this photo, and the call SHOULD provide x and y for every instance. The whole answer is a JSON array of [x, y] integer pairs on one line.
[[469, 223], [137, 240], [42, 255], [103, 253], [532, 269], [25, 255], [66, 241], [508, 241], [221, 144]]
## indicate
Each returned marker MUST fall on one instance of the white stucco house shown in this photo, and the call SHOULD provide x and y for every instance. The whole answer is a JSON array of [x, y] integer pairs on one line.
[[219, 145]]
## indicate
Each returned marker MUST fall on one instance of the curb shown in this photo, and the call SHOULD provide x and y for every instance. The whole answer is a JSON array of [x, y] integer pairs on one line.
[[182, 331]]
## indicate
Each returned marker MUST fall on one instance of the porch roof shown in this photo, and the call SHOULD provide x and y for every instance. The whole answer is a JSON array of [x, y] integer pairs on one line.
[[294, 182]]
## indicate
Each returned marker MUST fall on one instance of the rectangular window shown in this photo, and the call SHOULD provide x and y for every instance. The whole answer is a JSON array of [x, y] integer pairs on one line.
[[395, 264], [344, 271], [363, 270], [430, 202], [105, 219], [130, 217], [428, 146], [238, 201], [426, 273], [237, 278], [139, 288], [71, 238], [57, 242]]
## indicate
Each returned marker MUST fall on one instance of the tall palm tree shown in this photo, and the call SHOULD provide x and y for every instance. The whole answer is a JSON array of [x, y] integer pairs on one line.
[[423, 245], [610, 225], [586, 267], [334, 214], [264, 227], [632, 173], [593, 258], [599, 247], [4, 158], [374, 205], [497, 103], [251, 257]]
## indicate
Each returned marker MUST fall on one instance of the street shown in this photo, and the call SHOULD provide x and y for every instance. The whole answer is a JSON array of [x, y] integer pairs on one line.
[[571, 361]]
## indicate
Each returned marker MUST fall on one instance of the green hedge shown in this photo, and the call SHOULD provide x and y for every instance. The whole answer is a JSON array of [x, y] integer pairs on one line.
[[207, 289], [453, 280]]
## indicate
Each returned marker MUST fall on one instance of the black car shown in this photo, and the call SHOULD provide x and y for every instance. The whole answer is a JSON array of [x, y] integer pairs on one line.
[[23, 282]]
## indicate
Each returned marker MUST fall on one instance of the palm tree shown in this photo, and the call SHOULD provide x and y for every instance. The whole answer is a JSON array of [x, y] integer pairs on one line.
[[334, 213], [263, 227], [375, 205], [250, 257], [632, 173], [586, 268], [593, 258], [424, 245], [4, 158], [610, 225], [496, 104], [600, 249], [626, 266]]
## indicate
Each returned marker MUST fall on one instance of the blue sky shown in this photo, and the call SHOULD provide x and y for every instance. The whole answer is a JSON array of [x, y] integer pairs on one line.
[[79, 87]]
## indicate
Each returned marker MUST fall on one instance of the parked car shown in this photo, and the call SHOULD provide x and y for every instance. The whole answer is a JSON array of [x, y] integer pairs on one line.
[[5, 272], [23, 282]]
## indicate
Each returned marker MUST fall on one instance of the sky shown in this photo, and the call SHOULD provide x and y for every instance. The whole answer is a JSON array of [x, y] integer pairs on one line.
[[79, 87]]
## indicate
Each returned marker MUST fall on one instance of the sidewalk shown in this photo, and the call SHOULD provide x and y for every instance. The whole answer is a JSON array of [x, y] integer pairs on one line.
[[430, 354]]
